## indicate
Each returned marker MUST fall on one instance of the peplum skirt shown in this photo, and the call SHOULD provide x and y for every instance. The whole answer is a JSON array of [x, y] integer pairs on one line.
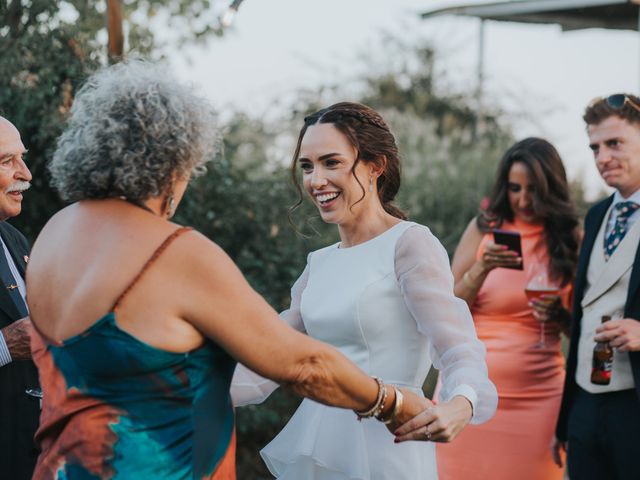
[[328, 443]]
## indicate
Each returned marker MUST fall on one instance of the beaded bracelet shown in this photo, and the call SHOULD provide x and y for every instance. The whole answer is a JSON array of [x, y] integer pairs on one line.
[[380, 409], [379, 403]]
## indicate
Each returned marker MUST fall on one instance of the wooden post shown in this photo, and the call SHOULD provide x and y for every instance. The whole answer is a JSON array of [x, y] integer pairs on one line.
[[480, 84], [115, 45], [479, 93]]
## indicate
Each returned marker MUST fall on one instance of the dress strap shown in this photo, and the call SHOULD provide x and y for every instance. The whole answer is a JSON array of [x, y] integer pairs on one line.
[[163, 246]]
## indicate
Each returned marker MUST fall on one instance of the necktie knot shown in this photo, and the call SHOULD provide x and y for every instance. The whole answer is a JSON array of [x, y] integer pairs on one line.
[[626, 209]]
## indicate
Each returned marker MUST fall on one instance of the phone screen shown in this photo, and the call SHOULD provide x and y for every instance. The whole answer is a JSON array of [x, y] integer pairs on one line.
[[512, 240]]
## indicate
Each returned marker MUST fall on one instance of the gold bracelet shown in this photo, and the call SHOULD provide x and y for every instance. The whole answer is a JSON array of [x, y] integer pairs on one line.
[[466, 278], [397, 407]]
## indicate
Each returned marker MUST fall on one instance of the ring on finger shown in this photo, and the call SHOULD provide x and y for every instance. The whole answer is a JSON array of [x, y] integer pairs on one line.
[[427, 434]]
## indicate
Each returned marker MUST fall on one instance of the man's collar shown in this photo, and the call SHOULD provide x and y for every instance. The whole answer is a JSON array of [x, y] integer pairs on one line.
[[634, 197]]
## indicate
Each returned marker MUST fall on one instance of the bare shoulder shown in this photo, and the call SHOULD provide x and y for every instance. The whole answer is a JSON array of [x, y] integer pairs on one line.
[[50, 227], [212, 293], [47, 237], [202, 260], [195, 248]]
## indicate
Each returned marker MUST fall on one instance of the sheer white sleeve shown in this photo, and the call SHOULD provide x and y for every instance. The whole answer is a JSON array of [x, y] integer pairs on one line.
[[425, 279], [247, 387]]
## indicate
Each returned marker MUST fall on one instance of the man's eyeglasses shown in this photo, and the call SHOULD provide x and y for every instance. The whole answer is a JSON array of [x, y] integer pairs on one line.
[[616, 101]]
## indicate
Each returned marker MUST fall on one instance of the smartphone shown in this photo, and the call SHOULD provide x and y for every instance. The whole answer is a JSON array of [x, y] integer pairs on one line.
[[512, 240]]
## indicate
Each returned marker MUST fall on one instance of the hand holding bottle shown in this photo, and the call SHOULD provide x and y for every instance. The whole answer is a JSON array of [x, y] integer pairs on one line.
[[623, 334]]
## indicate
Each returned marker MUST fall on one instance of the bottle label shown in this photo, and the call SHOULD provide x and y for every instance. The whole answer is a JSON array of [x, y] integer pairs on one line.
[[601, 371]]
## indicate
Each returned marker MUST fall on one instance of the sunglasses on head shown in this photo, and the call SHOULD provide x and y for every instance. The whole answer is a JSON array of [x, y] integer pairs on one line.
[[616, 101]]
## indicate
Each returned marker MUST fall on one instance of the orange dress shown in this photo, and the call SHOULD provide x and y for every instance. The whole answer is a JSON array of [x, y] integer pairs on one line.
[[515, 443]]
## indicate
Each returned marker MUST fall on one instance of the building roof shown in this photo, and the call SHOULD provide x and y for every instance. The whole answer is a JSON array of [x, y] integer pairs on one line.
[[569, 14]]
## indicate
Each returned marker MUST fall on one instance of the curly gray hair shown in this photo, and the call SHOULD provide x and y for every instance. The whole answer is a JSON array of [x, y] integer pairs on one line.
[[133, 129]]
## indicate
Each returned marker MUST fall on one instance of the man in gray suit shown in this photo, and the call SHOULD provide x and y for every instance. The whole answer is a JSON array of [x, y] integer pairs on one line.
[[599, 424], [19, 411]]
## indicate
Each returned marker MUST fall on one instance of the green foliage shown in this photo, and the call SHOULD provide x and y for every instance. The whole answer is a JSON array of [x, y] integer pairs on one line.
[[43, 63], [257, 425], [444, 180], [49, 47]]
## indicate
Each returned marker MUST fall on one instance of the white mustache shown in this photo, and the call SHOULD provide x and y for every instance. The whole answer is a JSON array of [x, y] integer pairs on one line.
[[19, 187]]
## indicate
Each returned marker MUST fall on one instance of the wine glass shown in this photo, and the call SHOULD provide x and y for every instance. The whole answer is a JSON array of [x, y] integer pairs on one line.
[[540, 284]]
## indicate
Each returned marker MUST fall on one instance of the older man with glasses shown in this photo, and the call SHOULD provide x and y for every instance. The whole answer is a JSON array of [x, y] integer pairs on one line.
[[599, 422]]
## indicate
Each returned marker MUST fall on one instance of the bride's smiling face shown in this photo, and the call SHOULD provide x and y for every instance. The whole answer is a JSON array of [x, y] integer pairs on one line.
[[326, 159]]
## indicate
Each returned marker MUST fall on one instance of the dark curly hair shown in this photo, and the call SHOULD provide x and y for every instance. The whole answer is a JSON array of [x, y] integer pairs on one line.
[[551, 203], [374, 143]]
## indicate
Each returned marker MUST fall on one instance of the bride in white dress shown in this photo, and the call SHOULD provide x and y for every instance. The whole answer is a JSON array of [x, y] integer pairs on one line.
[[384, 297]]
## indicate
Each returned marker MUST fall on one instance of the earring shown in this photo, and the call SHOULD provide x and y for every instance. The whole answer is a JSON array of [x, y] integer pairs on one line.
[[371, 184], [172, 206], [169, 205]]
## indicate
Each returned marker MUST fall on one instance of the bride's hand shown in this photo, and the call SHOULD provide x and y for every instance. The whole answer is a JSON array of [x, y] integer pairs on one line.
[[412, 405], [438, 423]]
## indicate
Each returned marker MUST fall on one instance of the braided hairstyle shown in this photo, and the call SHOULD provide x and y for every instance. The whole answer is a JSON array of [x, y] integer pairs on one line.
[[373, 141]]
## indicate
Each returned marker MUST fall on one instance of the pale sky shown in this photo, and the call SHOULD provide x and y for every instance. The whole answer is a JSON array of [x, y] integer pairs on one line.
[[540, 75]]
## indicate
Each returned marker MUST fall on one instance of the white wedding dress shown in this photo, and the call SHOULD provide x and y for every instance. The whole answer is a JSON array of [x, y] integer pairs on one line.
[[388, 305]]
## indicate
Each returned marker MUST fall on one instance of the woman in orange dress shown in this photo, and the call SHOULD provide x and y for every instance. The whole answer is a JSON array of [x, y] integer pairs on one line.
[[530, 196]]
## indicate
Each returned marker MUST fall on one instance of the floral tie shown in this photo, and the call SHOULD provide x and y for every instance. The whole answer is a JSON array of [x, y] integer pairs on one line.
[[625, 210]]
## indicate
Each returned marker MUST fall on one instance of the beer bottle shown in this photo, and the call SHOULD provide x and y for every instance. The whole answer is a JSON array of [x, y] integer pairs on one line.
[[602, 360]]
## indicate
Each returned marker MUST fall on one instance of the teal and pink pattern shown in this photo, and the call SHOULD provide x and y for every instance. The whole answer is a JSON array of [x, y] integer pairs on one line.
[[117, 408]]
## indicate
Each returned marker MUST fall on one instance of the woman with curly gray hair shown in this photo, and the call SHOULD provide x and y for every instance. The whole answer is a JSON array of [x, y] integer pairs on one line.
[[139, 321]]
